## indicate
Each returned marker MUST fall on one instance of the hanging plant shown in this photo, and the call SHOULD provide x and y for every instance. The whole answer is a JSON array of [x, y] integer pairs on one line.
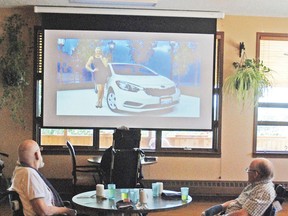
[[250, 80], [14, 65]]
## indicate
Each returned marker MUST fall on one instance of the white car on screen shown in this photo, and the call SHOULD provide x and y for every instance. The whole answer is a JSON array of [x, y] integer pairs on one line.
[[136, 88]]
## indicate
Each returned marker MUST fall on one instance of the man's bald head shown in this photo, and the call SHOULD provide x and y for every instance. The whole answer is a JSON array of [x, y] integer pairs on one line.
[[29, 153], [264, 167]]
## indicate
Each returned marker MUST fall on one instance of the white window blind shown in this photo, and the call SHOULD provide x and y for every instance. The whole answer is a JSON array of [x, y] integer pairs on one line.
[[274, 54]]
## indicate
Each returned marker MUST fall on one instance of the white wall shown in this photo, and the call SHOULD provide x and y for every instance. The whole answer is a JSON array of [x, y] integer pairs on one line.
[[237, 123]]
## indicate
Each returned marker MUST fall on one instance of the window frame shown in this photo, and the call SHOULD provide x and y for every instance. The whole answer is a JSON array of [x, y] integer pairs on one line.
[[215, 151], [271, 154]]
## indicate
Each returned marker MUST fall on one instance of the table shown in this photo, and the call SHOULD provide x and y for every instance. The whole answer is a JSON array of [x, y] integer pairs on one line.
[[90, 204], [97, 160]]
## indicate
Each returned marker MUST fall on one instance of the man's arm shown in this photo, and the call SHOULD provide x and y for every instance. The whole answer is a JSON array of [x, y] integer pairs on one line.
[[241, 212], [216, 209], [226, 204], [41, 208]]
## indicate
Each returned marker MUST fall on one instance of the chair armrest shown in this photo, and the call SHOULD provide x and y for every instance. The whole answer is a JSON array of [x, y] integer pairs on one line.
[[87, 168], [67, 204], [277, 205], [214, 210], [15, 205]]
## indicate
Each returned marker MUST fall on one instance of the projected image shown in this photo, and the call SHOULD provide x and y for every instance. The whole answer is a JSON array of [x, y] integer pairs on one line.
[[136, 88], [118, 74]]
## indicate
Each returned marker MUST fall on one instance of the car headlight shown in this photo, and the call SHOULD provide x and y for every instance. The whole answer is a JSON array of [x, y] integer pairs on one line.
[[126, 86]]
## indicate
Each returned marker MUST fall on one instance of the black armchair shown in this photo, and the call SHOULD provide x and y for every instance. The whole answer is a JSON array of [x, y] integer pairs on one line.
[[277, 203], [15, 203]]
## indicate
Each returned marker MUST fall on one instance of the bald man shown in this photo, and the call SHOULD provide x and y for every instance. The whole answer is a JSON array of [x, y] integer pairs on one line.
[[37, 195], [256, 196]]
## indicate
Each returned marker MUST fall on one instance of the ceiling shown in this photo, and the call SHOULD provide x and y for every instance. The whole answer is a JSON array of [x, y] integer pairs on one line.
[[265, 8]]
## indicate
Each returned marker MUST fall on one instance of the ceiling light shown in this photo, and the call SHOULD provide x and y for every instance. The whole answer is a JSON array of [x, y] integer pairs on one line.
[[117, 2]]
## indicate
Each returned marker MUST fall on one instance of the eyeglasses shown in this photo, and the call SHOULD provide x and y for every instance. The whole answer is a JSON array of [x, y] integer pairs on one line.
[[250, 170], [40, 149]]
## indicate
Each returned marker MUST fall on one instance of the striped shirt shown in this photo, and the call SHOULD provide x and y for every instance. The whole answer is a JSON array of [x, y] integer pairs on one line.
[[255, 198]]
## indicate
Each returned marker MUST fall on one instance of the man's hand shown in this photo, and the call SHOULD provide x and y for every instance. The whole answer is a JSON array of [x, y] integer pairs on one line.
[[72, 212], [241, 212]]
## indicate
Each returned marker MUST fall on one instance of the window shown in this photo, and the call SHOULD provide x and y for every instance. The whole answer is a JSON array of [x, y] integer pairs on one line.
[[154, 142], [106, 138], [79, 137], [187, 139], [272, 111]]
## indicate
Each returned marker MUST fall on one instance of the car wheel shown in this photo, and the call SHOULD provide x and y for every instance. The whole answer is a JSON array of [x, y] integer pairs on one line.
[[111, 100]]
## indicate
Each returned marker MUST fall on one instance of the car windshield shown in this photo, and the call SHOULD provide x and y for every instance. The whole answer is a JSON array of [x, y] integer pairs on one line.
[[130, 69]]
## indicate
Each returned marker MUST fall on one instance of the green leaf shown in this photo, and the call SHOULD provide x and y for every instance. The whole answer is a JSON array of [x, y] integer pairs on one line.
[[249, 81], [14, 65]]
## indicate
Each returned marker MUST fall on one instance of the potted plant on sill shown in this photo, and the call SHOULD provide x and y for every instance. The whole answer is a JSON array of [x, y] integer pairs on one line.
[[249, 81], [14, 65]]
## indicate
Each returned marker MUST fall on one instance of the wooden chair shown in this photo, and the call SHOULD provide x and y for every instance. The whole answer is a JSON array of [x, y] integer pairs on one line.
[[83, 175]]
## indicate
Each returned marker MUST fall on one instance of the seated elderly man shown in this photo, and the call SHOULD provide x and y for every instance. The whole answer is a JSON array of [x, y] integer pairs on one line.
[[37, 195], [255, 198]]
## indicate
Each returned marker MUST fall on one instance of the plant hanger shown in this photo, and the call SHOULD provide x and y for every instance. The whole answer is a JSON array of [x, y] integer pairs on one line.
[[249, 81]]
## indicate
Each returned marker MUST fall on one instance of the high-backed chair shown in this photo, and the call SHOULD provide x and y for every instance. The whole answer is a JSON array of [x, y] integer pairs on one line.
[[82, 175], [125, 168], [126, 138], [121, 163]]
